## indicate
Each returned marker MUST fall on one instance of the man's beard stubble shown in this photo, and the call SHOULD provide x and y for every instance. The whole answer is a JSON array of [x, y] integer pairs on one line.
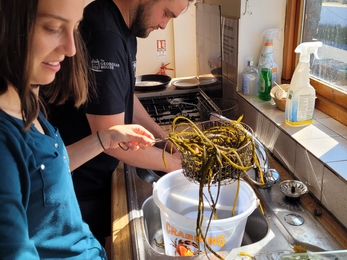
[[139, 26]]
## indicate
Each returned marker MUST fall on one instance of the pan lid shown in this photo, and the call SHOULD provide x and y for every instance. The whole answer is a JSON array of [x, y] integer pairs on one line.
[[193, 82]]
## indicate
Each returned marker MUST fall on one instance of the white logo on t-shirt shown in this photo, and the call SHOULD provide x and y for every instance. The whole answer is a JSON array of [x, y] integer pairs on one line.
[[100, 65]]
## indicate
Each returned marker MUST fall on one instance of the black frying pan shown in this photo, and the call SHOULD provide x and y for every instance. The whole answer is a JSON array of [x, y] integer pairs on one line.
[[151, 82], [217, 72]]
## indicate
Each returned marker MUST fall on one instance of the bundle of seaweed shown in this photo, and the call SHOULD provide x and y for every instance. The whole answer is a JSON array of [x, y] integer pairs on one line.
[[213, 153]]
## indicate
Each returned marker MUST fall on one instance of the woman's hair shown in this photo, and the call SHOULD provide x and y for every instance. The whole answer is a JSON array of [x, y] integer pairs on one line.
[[17, 21]]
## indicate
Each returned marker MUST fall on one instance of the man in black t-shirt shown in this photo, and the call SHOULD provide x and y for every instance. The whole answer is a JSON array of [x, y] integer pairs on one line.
[[109, 29]]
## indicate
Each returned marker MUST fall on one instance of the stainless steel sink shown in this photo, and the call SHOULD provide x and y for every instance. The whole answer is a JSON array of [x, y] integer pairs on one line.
[[256, 229], [285, 223]]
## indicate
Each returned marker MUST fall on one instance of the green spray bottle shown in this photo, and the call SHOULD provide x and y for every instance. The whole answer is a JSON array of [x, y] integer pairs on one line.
[[265, 77], [268, 48]]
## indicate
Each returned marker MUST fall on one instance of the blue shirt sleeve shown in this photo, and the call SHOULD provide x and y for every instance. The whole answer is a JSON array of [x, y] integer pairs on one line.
[[39, 213], [14, 238]]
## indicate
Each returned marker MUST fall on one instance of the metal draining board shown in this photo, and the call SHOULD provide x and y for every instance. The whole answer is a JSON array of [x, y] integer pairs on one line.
[[279, 240]]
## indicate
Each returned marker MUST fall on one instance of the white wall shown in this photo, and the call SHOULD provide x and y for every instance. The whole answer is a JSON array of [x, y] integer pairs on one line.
[[185, 42], [180, 36], [148, 58], [263, 14], [253, 16], [208, 31]]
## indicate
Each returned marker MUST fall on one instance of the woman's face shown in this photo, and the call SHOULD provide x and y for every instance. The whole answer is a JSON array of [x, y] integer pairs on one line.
[[53, 38], [154, 15]]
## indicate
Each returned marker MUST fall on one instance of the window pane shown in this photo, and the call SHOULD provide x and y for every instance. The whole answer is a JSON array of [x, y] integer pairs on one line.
[[326, 21]]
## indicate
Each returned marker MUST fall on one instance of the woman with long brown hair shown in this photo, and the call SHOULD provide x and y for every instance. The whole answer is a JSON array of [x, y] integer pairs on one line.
[[40, 48]]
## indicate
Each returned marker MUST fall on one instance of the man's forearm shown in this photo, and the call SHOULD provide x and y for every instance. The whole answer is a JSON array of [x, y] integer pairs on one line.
[[150, 158]]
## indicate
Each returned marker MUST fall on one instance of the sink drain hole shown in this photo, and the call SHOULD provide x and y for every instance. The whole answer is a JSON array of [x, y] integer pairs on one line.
[[294, 219]]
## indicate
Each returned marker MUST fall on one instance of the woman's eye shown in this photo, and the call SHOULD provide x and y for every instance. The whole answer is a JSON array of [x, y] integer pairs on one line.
[[52, 30]]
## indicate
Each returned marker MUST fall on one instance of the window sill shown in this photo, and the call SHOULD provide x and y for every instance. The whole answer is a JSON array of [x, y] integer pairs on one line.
[[315, 154]]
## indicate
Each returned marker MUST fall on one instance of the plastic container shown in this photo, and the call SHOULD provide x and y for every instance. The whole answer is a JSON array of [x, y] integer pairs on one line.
[[301, 95], [280, 102], [267, 48], [250, 76], [265, 77], [177, 199]]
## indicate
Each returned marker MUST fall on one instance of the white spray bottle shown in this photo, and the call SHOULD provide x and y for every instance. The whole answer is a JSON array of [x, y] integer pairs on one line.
[[268, 35], [301, 95]]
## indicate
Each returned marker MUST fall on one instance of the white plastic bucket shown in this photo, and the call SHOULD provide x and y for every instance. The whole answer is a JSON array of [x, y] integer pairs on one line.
[[177, 199]]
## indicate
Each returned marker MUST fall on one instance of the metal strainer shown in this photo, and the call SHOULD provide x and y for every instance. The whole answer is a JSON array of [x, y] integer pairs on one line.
[[293, 188], [221, 175]]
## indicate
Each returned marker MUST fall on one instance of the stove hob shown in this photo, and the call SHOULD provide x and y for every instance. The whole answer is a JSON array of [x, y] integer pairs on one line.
[[163, 112]]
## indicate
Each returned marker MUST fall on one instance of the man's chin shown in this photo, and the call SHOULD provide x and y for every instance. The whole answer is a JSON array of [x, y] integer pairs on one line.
[[144, 33]]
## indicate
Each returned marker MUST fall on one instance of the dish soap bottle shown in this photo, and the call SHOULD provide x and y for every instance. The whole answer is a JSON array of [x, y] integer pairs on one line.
[[250, 79], [268, 35], [301, 95], [265, 77]]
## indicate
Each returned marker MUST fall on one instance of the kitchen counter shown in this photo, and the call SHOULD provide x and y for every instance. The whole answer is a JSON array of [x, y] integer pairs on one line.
[[121, 217], [121, 237]]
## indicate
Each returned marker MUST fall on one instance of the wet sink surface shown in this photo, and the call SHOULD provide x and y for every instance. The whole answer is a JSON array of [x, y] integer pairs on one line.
[[284, 224]]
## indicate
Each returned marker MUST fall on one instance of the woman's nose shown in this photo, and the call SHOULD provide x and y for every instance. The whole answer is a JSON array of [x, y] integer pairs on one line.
[[69, 46]]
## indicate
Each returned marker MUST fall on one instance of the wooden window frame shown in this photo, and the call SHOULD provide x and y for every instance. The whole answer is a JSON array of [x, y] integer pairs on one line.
[[330, 101]]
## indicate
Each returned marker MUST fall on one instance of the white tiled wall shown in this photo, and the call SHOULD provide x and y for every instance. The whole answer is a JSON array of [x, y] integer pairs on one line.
[[315, 154], [309, 170], [334, 195]]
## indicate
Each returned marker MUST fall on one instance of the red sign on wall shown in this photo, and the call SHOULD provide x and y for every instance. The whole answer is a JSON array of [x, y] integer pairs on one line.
[[161, 48], [161, 44]]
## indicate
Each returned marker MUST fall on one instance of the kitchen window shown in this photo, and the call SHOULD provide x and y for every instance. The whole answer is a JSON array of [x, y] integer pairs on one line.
[[325, 21]]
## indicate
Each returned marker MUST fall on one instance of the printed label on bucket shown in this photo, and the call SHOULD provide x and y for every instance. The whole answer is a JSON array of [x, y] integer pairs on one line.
[[180, 241], [178, 200]]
